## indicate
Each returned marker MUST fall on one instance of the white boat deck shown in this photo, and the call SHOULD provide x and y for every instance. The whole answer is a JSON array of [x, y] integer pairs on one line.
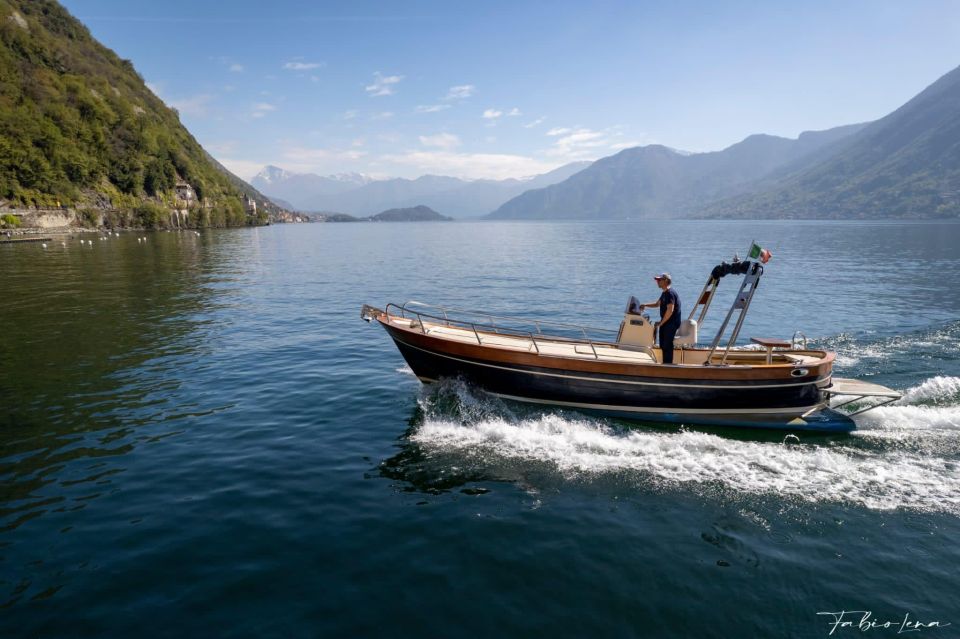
[[858, 388], [543, 345]]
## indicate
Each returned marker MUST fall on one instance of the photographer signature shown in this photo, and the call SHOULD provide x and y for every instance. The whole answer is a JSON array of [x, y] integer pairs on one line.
[[863, 621]]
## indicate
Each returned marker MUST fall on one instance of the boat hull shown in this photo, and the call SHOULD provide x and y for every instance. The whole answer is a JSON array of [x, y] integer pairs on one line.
[[692, 395]]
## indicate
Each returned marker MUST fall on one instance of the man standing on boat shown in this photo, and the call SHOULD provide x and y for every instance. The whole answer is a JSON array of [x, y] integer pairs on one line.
[[669, 303]]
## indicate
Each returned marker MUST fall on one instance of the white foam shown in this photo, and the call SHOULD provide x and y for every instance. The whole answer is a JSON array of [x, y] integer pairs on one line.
[[909, 417], [406, 370], [850, 351], [918, 472], [937, 389], [846, 360]]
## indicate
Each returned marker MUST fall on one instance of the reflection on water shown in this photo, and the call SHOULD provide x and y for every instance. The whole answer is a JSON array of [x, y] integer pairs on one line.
[[98, 353], [90, 337], [197, 430]]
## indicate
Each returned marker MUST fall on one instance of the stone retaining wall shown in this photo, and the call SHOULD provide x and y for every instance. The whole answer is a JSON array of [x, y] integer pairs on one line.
[[43, 218]]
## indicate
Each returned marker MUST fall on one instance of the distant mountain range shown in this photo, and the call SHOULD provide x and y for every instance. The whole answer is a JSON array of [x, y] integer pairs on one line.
[[412, 214], [360, 195], [905, 165], [656, 181]]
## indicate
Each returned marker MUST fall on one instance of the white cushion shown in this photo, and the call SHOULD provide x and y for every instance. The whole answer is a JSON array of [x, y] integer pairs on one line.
[[686, 334]]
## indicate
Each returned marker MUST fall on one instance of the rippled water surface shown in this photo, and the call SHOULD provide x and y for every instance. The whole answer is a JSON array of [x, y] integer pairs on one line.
[[198, 435]]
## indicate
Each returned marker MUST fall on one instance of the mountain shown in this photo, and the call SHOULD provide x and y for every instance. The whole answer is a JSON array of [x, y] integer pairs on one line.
[[905, 165], [656, 181], [298, 188], [412, 214], [80, 129], [360, 195]]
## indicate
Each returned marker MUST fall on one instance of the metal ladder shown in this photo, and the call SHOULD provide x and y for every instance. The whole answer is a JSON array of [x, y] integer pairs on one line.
[[706, 296], [742, 303]]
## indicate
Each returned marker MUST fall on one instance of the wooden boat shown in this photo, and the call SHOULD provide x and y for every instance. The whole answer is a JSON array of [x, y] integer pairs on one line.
[[781, 384]]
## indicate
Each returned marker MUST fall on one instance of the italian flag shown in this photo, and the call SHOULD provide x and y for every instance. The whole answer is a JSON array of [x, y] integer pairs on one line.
[[758, 252]]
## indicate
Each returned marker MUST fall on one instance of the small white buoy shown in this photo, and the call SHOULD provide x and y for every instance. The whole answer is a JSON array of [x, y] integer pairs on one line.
[[44, 245], [63, 243]]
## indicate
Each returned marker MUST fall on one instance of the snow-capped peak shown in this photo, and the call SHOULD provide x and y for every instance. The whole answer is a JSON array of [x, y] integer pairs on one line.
[[271, 174]]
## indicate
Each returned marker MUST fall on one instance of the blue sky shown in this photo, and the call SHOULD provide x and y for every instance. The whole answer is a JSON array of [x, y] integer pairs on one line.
[[508, 89]]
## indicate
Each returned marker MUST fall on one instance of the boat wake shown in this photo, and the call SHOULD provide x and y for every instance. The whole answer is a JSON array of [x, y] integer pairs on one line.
[[902, 456], [941, 343]]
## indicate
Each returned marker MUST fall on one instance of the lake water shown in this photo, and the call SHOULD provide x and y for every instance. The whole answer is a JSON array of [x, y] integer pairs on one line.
[[200, 437]]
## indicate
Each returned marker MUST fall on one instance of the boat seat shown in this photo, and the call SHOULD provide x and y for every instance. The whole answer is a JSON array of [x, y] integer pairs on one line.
[[801, 359], [686, 334]]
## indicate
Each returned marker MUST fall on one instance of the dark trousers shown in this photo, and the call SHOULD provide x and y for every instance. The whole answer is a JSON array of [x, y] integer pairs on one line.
[[667, 333]]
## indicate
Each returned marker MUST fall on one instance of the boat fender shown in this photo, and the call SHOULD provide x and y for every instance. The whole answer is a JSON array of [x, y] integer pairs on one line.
[[799, 372]]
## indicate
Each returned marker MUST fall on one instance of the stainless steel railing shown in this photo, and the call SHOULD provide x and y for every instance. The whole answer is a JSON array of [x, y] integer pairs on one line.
[[491, 326]]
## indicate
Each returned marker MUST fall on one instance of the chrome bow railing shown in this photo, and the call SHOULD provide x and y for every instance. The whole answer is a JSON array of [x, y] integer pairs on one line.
[[442, 315]]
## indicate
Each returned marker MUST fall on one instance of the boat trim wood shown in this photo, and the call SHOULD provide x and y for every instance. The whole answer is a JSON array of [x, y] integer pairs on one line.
[[678, 373], [820, 382]]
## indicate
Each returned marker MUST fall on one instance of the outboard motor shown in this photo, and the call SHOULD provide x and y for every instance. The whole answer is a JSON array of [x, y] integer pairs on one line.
[[636, 329]]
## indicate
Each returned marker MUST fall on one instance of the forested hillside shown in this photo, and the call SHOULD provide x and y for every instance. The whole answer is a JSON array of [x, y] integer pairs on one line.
[[79, 128]]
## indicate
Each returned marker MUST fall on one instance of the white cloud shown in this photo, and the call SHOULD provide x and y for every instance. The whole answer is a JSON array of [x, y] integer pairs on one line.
[[440, 140], [222, 148], [537, 122], [349, 115], [584, 144], [514, 112], [299, 157], [260, 109], [194, 106], [460, 92], [494, 166], [432, 108], [383, 115], [236, 68], [619, 146], [245, 169], [303, 66], [382, 84], [492, 114]]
